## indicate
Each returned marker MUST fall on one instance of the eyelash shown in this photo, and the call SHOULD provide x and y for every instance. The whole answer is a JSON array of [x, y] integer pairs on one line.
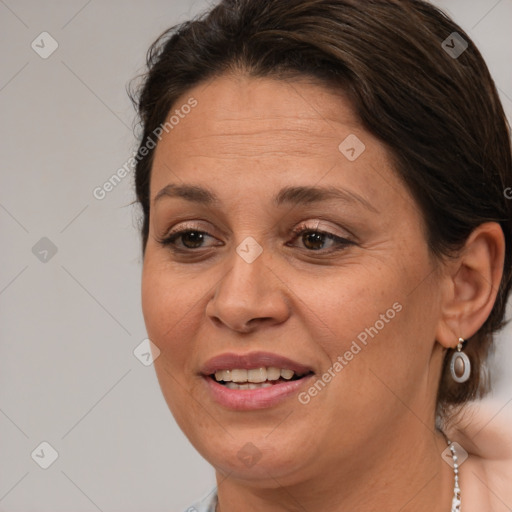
[[342, 243]]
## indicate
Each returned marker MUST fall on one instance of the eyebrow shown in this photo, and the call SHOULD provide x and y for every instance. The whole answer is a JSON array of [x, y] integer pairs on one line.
[[294, 195]]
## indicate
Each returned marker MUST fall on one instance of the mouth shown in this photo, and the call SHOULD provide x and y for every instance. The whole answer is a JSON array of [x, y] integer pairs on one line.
[[255, 378]]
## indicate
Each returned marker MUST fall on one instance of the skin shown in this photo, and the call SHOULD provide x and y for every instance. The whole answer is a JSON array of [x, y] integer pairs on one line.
[[367, 441]]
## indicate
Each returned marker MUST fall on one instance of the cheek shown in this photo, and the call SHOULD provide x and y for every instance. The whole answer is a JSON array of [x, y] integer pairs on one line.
[[170, 315], [380, 326], [155, 301], [347, 302], [168, 309]]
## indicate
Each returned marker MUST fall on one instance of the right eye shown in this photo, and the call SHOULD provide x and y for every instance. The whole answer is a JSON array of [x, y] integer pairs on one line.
[[190, 239]]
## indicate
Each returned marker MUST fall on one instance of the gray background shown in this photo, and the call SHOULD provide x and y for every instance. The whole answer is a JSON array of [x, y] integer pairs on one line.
[[69, 324]]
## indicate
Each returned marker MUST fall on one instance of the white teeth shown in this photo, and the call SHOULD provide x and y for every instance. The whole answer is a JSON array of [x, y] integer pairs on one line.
[[254, 375], [287, 374], [257, 375], [273, 373], [239, 375], [232, 385], [224, 375]]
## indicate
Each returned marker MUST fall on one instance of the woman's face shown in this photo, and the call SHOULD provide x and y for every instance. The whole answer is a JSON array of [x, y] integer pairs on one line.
[[353, 302]]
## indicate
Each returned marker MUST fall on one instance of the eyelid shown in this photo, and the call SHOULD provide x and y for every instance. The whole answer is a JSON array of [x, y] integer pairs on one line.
[[302, 226], [185, 226], [318, 225]]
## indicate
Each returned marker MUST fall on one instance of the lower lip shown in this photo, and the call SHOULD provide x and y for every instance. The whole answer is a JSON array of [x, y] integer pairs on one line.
[[253, 399]]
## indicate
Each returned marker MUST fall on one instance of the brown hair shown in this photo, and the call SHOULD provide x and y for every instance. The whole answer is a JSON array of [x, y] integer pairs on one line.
[[439, 114]]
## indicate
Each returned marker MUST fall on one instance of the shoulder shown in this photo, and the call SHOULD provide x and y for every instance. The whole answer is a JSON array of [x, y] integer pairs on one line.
[[484, 431]]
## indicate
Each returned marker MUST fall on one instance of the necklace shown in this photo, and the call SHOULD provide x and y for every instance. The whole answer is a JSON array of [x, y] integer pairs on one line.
[[456, 501]]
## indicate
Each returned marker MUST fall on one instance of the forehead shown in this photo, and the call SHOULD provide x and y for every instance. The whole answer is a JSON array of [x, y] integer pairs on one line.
[[244, 107], [257, 131]]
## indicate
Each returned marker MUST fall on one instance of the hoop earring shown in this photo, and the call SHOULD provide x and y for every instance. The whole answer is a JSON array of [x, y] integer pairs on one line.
[[460, 365]]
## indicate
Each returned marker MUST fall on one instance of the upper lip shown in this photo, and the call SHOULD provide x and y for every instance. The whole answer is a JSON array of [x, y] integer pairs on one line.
[[231, 361]]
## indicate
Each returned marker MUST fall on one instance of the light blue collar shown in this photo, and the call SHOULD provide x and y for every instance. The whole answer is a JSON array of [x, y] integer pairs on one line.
[[207, 504]]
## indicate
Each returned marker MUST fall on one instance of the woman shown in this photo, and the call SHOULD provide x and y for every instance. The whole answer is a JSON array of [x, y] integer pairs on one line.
[[327, 253]]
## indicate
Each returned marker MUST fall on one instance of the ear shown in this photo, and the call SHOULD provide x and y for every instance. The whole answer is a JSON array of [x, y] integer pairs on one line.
[[471, 283]]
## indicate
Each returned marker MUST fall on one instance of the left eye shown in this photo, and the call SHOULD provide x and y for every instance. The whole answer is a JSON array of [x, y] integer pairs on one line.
[[313, 239]]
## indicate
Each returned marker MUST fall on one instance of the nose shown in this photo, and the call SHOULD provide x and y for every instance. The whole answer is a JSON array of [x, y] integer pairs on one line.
[[250, 294]]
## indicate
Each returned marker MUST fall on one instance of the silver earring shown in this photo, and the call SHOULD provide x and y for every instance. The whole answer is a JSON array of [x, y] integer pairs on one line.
[[460, 365]]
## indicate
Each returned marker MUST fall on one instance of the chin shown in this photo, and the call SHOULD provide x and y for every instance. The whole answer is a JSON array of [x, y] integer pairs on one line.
[[261, 460]]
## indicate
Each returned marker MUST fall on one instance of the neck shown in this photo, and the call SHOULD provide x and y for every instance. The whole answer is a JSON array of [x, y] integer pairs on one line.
[[402, 471]]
